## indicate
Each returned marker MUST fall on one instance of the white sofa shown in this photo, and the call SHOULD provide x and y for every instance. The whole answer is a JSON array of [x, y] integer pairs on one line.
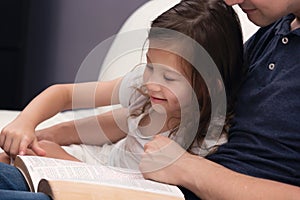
[[140, 19]]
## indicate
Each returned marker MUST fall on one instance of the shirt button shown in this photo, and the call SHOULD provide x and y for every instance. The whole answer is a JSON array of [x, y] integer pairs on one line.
[[271, 66], [285, 40]]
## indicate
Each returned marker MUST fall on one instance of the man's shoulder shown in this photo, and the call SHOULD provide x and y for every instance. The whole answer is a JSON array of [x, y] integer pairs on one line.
[[268, 32]]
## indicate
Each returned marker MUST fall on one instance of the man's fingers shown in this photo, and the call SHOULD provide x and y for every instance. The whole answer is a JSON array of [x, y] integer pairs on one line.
[[2, 139], [160, 153], [30, 152], [156, 144], [37, 149], [24, 144]]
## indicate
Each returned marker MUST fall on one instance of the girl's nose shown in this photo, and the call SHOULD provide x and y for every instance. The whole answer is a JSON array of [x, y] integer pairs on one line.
[[151, 86], [233, 2]]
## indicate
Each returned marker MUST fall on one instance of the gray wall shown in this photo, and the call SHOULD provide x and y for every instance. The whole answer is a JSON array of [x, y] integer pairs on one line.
[[62, 32]]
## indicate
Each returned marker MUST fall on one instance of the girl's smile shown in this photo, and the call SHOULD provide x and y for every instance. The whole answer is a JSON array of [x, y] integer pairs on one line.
[[157, 100]]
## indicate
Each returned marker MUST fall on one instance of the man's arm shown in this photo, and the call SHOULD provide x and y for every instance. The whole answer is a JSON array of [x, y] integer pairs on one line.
[[213, 181], [207, 179]]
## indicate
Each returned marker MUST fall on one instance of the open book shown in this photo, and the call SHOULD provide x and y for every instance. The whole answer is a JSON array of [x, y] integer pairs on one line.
[[61, 179]]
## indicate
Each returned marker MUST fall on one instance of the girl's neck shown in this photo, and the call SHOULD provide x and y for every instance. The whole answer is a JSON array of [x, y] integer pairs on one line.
[[154, 123]]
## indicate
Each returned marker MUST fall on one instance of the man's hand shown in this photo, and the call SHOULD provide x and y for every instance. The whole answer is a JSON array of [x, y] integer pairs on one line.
[[53, 150], [4, 158], [55, 134], [163, 160], [64, 134]]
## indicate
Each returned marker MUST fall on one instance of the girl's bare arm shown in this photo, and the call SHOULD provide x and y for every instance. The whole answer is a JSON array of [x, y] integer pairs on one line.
[[108, 127], [19, 135]]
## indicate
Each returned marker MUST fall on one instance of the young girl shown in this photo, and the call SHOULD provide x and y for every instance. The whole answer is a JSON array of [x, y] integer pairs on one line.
[[166, 97]]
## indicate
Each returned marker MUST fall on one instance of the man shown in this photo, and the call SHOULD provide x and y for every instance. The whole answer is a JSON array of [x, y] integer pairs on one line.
[[262, 157]]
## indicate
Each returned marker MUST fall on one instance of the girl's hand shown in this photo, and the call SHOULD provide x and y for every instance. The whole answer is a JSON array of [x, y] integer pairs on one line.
[[163, 161], [53, 150], [17, 136]]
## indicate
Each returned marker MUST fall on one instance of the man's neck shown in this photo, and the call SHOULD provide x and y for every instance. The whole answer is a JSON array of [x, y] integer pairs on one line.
[[295, 23]]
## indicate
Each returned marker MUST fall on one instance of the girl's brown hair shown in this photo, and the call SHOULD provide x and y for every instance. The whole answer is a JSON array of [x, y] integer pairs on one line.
[[216, 27]]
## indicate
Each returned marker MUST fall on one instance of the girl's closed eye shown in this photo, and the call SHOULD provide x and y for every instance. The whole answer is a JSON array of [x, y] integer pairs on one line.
[[169, 77]]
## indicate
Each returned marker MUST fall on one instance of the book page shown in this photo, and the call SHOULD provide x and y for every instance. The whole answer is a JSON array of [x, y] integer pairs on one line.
[[56, 169]]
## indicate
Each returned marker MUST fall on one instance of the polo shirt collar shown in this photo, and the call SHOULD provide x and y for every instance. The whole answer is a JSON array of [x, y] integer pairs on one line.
[[283, 27]]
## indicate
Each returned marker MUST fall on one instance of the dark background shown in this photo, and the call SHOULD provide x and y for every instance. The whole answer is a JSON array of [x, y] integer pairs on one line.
[[43, 42]]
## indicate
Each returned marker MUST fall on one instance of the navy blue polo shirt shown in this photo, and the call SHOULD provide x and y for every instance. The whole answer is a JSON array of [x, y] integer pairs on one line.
[[264, 140]]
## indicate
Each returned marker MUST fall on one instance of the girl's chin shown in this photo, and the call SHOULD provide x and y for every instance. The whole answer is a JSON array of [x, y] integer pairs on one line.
[[159, 108]]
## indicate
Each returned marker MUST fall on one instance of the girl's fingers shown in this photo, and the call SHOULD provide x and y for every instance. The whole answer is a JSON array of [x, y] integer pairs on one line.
[[14, 147], [6, 145]]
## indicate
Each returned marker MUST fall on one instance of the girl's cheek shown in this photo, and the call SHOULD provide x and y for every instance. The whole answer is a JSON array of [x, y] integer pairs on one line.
[[184, 99], [146, 76]]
